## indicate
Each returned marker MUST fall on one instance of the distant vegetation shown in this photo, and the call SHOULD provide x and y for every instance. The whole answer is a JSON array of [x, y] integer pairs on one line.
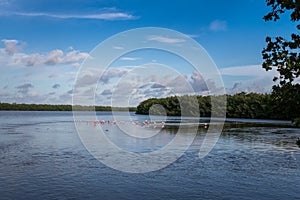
[[242, 105], [47, 107], [280, 104]]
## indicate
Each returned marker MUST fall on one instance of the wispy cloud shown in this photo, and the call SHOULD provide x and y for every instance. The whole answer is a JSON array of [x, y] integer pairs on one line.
[[193, 35], [218, 25], [118, 47], [129, 58], [164, 39], [248, 70], [100, 16]]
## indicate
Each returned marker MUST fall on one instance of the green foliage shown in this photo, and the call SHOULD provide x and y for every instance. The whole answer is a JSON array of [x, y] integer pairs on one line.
[[286, 100], [35, 107], [251, 105], [282, 53], [242, 105], [47, 107]]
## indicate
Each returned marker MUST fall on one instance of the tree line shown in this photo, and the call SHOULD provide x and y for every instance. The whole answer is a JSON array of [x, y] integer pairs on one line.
[[277, 105], [63, 107]]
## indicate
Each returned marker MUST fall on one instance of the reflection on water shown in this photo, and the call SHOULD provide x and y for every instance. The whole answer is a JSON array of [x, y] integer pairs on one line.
[[41, 157]]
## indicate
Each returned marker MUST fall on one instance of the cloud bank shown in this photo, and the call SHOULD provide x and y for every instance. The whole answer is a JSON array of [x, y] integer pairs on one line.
[[13, 54], [250, 78]]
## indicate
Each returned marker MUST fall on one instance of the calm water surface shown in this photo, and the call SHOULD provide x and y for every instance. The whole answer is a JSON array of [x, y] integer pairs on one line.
[[41, 157]]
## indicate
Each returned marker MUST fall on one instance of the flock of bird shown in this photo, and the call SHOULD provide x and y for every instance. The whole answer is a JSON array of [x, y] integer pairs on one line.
[[145, 123]]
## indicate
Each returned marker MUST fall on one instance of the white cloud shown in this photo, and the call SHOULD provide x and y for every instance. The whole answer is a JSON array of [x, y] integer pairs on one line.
[[75, 56], [118, 47], [129, 58], [94, 77], [257, 79], [193, 35], [28, 60], [11, 46], [197, 82], [163, 39], [248, 70], [57, 57], [54, 57], [12, 54], [87, 80], [100, 16], [112, 73], [76, 65], [218, 25], [263, 85]]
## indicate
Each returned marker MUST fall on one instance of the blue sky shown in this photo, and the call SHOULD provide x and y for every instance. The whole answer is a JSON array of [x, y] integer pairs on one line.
[[44, 42]]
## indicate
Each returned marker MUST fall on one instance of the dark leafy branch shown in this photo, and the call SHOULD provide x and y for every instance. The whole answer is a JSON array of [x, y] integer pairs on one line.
[[282, 53], [281, 6]]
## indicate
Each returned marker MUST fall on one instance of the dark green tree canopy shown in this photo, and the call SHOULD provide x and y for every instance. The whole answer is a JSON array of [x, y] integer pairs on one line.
[[282, 53], [280, 7]]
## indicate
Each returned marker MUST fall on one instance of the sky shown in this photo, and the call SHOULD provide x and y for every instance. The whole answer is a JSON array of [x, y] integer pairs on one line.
[[44, 43]]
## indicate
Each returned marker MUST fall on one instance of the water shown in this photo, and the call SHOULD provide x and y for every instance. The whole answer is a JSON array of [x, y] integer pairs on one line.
[[41, 157]]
